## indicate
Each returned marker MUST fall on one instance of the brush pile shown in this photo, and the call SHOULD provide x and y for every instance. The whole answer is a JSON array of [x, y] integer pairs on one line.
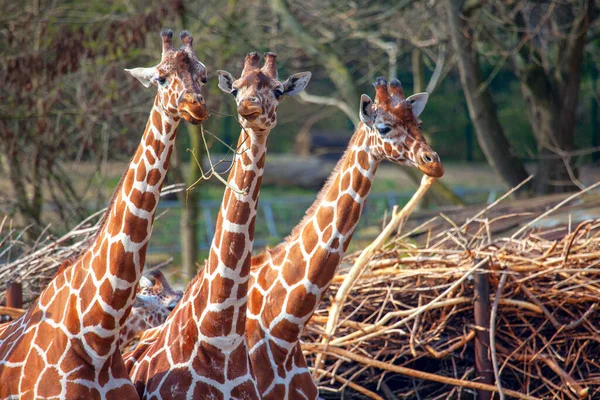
[[445, 318], [35, 264]]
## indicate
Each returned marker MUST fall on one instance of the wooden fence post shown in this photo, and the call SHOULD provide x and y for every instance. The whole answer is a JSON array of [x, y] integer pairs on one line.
[[14, 295], [483, 364]]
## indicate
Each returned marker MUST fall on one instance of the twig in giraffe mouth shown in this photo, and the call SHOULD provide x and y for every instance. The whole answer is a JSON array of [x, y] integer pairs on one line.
[[211, 171], [220, 114]]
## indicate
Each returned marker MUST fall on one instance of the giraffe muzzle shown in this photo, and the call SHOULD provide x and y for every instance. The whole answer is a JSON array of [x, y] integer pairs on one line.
[[250, 108], [192, 107], [250, 114], [429, 163]]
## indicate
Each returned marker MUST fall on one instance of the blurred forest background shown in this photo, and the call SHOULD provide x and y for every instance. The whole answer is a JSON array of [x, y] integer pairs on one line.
[[515, 91]]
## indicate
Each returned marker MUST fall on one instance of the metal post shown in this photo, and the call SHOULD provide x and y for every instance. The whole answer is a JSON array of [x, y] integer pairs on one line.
[[270, 218], [208, 223]]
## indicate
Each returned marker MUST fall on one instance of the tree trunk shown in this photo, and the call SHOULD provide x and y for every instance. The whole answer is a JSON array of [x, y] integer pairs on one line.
[[189, 200], [189, 214], [552, 137], [551, 90], [439, 193], [595, 110], [29, 212], [417, 71], [482, 111]]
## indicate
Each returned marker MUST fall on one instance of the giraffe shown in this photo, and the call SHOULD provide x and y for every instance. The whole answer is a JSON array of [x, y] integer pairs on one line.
[[153, 304], [201, 350], [66, 344], [288, 282]]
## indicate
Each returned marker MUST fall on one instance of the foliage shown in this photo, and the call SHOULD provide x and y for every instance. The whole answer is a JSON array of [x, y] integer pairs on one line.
[[64, 96]]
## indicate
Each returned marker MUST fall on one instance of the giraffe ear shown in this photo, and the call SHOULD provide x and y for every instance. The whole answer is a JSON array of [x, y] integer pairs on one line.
[[145, 282], [296, 83], [418, 102], [144, 75], [225, 81], [366, 110]]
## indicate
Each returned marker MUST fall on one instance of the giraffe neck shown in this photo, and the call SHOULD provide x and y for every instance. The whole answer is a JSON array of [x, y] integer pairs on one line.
[[112, 266], [73, 328], [206, 329], [228, 266], [140, 319], [289, 281], [137, 322]]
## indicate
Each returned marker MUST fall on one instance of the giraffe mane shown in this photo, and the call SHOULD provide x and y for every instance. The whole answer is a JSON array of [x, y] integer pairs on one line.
[[322, 193], [66, 263], [197, 277]]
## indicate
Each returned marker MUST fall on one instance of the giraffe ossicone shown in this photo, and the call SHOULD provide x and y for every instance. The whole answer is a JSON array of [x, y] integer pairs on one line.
[[201, 351], [66, 344], [288, 282]]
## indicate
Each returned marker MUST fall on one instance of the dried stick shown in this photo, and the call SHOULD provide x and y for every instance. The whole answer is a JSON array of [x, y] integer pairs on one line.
[[441, 354], [493, 354], [211, 171], [12, 312], [414, 373], [556, 207], [572, 384], [486, 209], [358, 388], [413, 313], [363, 260]]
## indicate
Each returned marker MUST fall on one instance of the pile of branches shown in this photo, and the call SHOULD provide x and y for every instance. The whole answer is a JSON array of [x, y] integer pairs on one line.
[[35, 264], [467, 313]]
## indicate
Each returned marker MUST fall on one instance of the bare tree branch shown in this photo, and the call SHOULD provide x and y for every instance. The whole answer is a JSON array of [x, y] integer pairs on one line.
[[330, 101]]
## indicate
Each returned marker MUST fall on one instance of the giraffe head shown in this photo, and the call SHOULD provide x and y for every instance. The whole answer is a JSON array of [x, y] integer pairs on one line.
[[158, 299], [179, 77], [393, 126], [258, 91]]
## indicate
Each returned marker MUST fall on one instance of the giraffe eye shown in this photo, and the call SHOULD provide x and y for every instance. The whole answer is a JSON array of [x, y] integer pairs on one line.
[[162, 81], [234, 92], [383, 129], [171, 306], [278, 93]]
